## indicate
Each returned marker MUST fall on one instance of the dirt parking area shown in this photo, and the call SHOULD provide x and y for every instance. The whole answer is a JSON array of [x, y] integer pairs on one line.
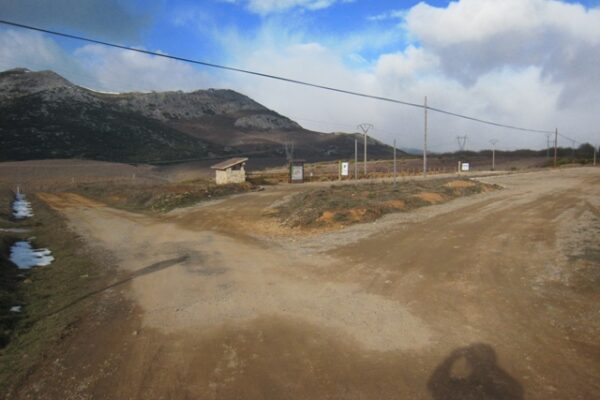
[[490, 296]]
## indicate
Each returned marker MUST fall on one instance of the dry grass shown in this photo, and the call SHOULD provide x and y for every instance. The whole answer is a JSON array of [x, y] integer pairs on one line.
[[158, 198], [340, 205], [430, 197], [460, 184]]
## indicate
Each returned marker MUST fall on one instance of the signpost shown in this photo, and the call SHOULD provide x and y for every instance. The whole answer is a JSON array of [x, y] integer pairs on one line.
[[344, 168], [297, 171]]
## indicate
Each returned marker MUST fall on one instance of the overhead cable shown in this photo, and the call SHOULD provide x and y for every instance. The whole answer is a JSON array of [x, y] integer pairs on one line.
[[275, 77]]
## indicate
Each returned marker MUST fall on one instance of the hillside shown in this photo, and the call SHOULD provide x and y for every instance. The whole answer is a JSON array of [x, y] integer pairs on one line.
[[43, 115]]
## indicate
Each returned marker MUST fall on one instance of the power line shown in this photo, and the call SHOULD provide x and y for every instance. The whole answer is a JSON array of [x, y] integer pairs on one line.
[[275, 77], [569, 138], [390, 133]]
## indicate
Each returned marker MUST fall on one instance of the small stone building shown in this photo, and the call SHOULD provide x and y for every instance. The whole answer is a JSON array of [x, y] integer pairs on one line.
[[230, 171]]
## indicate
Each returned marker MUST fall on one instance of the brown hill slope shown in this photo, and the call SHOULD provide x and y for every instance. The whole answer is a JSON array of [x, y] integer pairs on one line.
[[42, 115]]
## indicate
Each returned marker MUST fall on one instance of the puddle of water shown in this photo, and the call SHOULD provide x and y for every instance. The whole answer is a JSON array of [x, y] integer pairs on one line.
[[26, 257], [21, 207]]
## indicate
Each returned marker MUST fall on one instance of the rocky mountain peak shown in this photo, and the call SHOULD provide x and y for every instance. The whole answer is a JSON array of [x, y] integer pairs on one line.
[[43, 115], [22, 82], [245, 113]]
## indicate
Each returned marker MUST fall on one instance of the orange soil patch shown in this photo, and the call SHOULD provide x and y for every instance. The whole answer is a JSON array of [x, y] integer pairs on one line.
[[397, 204], [327, 216], [358, 214], [354, 214], [430, 197], [116, 199], [459, 184]]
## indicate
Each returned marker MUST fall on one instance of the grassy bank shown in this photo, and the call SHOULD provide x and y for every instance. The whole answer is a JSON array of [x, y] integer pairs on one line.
[[48, 294], [9, 274], [9, 294], [348, 204], [158, 198]]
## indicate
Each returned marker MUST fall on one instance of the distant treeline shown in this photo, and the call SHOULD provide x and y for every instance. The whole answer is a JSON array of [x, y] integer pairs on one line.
[[584, 152]]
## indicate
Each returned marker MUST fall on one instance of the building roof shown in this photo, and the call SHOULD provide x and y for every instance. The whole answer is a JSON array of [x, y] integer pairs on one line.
[[229, 163]]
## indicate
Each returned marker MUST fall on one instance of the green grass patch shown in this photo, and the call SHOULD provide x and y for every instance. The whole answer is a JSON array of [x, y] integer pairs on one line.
[[32, 335]]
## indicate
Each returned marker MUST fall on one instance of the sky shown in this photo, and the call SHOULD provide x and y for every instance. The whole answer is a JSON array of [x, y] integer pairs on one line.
[[529, 63]]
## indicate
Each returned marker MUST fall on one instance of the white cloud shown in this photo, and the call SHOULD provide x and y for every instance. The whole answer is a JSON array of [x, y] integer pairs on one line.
[[530, 63], [393, 14], [527, 64], [37, 52], [481, 20], [99, 67], [120, 70], [18, 48], [410, 64], [264, 7], [475, 37]]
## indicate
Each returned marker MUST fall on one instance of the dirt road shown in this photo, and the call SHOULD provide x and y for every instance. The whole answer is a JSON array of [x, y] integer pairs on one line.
[[492, 296]]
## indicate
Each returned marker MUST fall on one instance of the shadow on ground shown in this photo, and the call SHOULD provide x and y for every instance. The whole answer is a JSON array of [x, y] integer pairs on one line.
[[159, 266], [471, 373]]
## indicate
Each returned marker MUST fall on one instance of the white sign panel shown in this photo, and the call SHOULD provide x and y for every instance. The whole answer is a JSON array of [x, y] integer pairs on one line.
[[345, 168], [297, 172], [464, 167]]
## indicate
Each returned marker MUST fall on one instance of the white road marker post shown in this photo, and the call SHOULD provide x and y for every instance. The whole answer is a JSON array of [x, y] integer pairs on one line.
[[425, 142]]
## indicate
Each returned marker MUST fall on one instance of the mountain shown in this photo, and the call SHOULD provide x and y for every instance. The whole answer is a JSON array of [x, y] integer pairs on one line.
[[43, 115], [412, 151]]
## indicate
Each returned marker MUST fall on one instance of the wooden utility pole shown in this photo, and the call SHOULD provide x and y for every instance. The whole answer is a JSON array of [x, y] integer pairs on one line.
[[425, 142], [493, 142], [355, 159], [556, 148], [365, 156], [595, 155], [395, 170]]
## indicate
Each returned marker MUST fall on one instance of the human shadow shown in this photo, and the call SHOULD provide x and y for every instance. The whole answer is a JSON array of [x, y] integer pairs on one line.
[[471, 373], [150, 269]]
